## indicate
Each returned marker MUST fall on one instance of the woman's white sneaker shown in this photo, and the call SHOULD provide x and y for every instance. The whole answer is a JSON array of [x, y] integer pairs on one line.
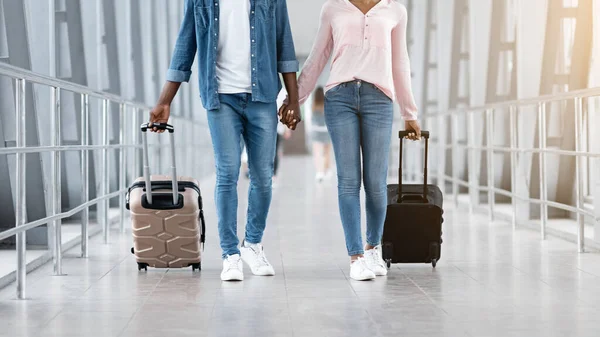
[[359, 270], [375, 262], [233, 268], [254, 256]]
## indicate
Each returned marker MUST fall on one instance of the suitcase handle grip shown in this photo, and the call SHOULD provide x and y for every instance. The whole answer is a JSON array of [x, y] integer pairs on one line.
[[174, 185], [159, 126], [402, 135]]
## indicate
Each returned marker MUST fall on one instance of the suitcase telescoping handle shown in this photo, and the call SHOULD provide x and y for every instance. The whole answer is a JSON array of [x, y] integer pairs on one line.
[[402, 135], [175, 186]]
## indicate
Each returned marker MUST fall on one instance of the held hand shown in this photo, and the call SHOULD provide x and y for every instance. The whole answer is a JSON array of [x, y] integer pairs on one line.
[[415, 127], [160, 114], [282, 108], [290, 115]]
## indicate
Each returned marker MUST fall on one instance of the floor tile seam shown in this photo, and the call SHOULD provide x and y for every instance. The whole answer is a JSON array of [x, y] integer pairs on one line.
[[427, 295], [588, 273], [142, 305], [486, 287], [287, 297]]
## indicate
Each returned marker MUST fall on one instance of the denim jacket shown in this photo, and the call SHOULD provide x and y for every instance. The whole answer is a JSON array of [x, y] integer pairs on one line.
[[272, 48]]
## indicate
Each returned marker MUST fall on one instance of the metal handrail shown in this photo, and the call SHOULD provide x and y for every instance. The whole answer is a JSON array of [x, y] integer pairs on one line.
[[582, 93], [126, 143], [30, 76], [486, 112]]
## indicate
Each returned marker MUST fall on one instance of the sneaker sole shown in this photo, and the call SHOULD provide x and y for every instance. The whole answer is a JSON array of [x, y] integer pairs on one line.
[[252, 270], [262, 274], [232, 278]]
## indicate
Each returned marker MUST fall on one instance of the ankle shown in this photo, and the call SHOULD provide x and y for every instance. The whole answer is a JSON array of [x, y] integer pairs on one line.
[[369, 247], [355, 257]]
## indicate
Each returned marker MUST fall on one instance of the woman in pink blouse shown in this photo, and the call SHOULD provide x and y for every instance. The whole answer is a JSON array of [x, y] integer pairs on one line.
[[366, 40]]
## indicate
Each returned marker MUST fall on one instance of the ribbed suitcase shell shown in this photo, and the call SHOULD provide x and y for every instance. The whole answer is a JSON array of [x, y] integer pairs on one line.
[[166, 238]]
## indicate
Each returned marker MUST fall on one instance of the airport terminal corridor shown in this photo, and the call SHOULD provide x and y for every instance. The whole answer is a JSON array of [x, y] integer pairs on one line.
[[491, 281], [506, 92]]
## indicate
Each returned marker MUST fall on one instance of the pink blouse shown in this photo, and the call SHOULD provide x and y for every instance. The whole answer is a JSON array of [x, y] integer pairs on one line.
[[370, 48]]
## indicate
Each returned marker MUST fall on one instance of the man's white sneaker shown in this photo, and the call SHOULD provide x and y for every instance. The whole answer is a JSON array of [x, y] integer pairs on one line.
[[375, 262], [233, 268], [254, 256], [359, 270]]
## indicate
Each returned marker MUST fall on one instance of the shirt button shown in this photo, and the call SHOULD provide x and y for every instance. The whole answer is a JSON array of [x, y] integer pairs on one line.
[[252, 41], [252, 55], [253, 69], [252, 12], [216, 3], [252, 27], [216, 19], [253, 84]]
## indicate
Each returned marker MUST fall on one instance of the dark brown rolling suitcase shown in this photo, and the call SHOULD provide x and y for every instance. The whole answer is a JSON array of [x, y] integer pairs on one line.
[[413, 225]]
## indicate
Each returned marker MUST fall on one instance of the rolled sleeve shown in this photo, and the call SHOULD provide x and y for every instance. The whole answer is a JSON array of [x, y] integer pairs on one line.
[[286, 53], [288, 66], [180, 69], [174, 75]]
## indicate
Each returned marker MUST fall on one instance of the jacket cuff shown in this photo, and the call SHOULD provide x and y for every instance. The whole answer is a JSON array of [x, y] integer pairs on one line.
[[174, 75], [288, 66]]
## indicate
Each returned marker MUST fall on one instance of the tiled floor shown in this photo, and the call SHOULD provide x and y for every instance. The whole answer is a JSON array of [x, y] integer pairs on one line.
[[491, 281]]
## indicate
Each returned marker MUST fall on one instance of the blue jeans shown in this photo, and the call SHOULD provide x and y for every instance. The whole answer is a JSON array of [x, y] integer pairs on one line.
[[237, 117], [359, 117]]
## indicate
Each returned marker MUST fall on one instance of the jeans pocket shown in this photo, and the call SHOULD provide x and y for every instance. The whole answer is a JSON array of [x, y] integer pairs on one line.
[[202, 15], [334, 90]]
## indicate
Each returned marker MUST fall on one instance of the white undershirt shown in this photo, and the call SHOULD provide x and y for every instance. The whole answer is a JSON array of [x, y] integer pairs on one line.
[[233, 54]]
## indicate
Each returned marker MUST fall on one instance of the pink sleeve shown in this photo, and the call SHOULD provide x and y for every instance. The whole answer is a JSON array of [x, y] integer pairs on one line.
[[319, 56], [401, 70]]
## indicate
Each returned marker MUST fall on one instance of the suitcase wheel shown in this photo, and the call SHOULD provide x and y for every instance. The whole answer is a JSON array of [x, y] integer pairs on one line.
[[196, 266], [388, 253], [143, 266], [132, 252], [433, 262]]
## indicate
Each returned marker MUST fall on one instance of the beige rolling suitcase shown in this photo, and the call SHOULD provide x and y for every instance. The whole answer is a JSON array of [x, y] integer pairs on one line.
[[167, 219]]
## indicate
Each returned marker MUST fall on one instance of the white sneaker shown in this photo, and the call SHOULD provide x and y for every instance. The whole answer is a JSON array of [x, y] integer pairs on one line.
[[233, 268], [359, 270], [375, 262], [254, 256]]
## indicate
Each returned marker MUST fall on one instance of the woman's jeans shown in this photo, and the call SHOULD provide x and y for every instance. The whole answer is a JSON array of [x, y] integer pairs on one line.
[[239, 117], [359, 117]]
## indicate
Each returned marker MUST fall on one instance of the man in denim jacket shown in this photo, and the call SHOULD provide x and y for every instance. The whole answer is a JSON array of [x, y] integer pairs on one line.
[[242, 46]]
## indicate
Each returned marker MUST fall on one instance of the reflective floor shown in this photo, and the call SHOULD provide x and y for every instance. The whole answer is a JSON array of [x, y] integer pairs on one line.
[[491, 281]]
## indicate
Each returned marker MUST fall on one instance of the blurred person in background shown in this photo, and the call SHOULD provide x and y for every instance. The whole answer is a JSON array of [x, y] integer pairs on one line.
[[283, 134], [320, 137]]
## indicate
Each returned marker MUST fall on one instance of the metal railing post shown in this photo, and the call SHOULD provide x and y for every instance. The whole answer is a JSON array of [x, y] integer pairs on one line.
[[104, 173], [441, 145], [579, 172], [122, 167], [513, 161], [543, 175], [455, 149], [473, 183], [489, 117], [85, 175], [21, 179], [56, 178]]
